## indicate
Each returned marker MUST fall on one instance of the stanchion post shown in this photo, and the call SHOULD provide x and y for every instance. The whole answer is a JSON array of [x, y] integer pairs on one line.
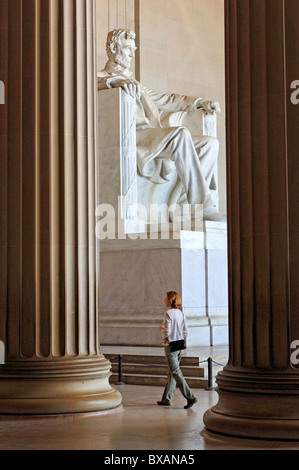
[[210, 374], [120, 373]]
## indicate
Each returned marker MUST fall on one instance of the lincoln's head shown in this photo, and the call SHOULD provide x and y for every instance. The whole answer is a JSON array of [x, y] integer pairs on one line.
[[121, 46]]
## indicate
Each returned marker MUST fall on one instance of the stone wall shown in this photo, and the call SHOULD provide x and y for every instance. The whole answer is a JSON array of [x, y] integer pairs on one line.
[[112, 14]]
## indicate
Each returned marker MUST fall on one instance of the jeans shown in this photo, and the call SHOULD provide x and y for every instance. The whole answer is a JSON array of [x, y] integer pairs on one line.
[[175, 377]]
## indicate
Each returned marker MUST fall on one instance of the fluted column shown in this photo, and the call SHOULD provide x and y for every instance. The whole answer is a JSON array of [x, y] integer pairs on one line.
[[259, 388], [49, 272]]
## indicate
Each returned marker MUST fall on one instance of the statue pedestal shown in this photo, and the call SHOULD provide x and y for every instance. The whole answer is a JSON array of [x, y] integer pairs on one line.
[[136, 274]]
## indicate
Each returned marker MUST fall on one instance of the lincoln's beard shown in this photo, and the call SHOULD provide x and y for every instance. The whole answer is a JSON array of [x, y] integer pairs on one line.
[[122, 60]]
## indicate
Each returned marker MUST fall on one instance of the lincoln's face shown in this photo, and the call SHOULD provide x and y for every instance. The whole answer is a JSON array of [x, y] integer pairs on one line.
[[125, 52]]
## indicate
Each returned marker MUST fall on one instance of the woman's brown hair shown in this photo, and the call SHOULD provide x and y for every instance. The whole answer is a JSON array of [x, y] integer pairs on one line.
[[174, 299]]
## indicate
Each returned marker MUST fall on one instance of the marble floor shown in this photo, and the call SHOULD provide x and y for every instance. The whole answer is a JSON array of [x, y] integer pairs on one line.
[[138, 425]]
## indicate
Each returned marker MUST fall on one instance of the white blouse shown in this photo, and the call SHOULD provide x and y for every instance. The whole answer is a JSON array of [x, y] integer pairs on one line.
[[175, 326]]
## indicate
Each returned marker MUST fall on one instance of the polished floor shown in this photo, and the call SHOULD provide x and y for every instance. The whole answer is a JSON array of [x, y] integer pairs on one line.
[[138, 425]]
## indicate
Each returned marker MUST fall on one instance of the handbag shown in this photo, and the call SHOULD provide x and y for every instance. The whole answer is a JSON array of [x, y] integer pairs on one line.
[[177, 345]]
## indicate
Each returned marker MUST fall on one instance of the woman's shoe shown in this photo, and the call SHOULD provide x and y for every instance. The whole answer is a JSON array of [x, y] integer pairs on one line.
[[190, 403], [161, 403]]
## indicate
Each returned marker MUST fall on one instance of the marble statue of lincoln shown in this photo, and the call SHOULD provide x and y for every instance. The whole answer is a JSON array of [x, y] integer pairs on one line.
[[161, 148]]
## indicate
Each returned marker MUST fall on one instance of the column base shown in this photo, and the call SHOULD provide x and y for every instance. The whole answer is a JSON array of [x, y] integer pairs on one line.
[[57, 387], [263, 429], [258, 406]]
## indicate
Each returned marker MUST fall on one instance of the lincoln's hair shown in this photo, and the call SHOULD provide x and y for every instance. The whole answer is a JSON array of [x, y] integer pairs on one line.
[[113, 39], [174, 299]]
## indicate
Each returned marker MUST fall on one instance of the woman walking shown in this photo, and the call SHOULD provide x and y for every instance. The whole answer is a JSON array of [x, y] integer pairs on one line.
[[174, 329]]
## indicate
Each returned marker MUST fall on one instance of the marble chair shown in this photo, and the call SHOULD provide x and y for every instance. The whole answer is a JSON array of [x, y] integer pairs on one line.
[[198, 123], [117, 164]]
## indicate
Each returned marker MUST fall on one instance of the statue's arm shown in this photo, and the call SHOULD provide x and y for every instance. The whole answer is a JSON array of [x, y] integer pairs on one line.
[[172, 102], [105, 82], [130, 86]]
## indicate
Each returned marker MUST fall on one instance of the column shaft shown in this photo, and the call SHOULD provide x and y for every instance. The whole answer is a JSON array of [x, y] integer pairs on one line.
[[259, 387], [50, 323]]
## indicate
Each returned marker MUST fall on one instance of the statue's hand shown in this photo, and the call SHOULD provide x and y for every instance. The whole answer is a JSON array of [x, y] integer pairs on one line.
[[130, 87], [212, 107]]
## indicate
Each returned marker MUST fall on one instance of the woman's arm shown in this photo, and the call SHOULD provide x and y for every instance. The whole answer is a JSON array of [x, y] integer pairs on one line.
[[185, 328], [164, 331]]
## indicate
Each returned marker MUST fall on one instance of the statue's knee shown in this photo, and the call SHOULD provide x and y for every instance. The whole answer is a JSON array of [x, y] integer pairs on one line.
[[214, 143], [185, 133]]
